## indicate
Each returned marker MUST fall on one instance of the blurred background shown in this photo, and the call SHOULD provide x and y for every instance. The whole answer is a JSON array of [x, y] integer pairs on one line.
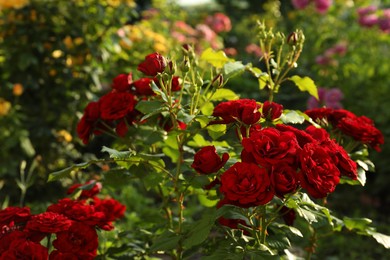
[[58, 55]]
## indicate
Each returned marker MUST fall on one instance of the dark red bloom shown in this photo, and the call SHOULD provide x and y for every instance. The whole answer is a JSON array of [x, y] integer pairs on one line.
[[14, 214], [283, 179], [272, 110], [121, 83], [142, 87], [362, 129], [91, 189], [87, 124], [246, 185], [270, 146], [79, 238], [58, 255], [242, 110], [111, 209], [319, 174], [48, 222], [153, 64], [207, 161], [25, 249], [116, 105]]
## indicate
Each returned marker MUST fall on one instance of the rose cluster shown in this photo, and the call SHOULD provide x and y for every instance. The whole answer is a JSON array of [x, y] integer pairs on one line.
[[73, 223], [116, 109], [359, 128], [279, 159]]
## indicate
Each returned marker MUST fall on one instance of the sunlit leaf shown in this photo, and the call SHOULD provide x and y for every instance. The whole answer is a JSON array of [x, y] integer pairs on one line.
[[305, 84], [215, 58]]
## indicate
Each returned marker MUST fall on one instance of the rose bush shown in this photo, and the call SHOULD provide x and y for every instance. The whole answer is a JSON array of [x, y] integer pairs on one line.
[[257, 168]]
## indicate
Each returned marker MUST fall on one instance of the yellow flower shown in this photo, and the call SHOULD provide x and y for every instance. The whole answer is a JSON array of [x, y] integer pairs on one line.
[[13, 3], [64, 135], [17, 89], [114, 3], [5, 106]]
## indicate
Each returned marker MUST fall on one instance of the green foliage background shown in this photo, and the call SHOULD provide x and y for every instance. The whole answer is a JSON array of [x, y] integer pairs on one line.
[[65, 54]]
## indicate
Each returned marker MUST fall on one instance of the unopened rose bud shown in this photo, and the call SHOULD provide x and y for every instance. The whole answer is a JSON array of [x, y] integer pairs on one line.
[[170, 69], [217, 82], [292, 39], [185, 65]]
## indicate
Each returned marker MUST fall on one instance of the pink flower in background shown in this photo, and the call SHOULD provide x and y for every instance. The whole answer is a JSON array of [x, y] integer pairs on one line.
[[328, 57], [322, 6], [329, 98], [254, 49], [384, 21], [368, 20], [300, 4], [362, 11], [219, 22]]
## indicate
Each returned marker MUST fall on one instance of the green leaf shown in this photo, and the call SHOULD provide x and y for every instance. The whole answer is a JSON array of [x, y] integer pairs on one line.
[[232, 69], [361, 176], [184, 117], [166, 241], [115, 154], [224, 94], [147, 107], [305, 84], [216, 131], [67, 171], [204, 198], [292, 117], [215, 58], [360, 224], [199, 231], [26, 145]]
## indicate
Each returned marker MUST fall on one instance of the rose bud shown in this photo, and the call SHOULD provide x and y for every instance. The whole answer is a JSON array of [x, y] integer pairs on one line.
[[121, 83], [207, 161]]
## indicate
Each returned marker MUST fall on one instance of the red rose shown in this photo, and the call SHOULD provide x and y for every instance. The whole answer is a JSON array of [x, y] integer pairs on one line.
[[142, 87], [153, 64], [14, 214], [88, 191], [207, 161], [86, 126], [7, 238], [283, 179], [79, 238], [48, 222], [363, 130], [246, 185], [57, 255], [243, 110], [121, 83], [79, 211], [25, 249], [112, 210], [302, 136], [269, 146], [319, 174], [272, 110], [116, 105]]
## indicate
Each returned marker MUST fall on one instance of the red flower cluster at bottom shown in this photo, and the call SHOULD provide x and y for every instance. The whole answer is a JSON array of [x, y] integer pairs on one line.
[[74, 223]]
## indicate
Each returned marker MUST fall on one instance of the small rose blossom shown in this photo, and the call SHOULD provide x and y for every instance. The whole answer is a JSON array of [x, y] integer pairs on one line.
[[283, 179], [14, 214], [116, 105], [25, 249], [207, 161], [153, 64], [243, 110], [121, 83], [48, 222], [322, 6], [79, 238], [272, 110], [87, 124]]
